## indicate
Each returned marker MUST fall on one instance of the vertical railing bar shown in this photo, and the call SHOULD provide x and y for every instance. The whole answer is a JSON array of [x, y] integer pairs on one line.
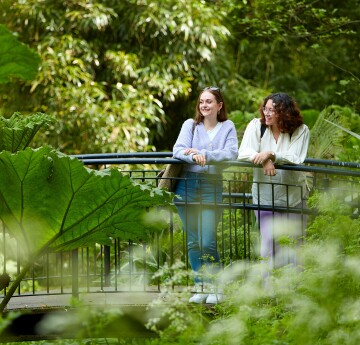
[[115, 264], [157, 246], [101, 268], [4, 251], [230, 226], [145, 267], [87, 276], [18, 264], [75, 272], [107, 266], [47, 273], [130, 247], [61, 272]]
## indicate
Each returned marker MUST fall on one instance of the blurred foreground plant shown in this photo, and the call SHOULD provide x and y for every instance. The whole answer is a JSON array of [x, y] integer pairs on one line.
[[315, 303]]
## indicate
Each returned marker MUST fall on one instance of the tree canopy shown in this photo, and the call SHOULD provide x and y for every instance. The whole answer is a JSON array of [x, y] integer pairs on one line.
[[123, 75]]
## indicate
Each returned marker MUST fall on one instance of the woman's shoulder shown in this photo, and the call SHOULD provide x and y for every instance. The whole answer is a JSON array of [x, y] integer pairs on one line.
[[301, 129], [305, 127], [188, 122], [228, 123], [254, 123]]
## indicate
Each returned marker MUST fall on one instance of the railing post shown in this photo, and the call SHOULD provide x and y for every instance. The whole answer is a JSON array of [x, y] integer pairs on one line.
[[107, 265], [75, 273]]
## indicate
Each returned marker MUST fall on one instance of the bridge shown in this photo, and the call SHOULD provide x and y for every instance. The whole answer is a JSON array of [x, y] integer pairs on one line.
[[121, 275]]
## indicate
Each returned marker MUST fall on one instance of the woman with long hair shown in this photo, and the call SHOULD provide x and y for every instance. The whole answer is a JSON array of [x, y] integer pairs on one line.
[[208, 138]]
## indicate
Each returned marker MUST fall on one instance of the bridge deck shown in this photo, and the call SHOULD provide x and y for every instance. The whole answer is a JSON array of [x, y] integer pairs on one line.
[[95, 299], [35, 312]]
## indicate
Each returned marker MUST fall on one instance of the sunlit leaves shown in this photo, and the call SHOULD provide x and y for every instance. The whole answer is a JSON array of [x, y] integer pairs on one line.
[[90, 16], [16, 59], [123, 65], [100, 57], [18, 131], [109, 67], [326, 139]]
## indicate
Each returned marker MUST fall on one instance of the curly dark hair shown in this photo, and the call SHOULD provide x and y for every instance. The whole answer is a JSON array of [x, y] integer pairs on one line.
[[286, 111], [222, 115]]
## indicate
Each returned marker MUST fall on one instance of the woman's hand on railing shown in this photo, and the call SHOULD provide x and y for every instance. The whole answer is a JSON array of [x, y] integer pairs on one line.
[[199, 159], [269, 168]]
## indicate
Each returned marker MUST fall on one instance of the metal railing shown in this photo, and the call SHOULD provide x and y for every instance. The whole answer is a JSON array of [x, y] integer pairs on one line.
[[128, 266]]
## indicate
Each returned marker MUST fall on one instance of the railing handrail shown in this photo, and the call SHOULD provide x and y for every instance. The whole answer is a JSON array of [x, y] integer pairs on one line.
[[165, 158], [123, 155], [332, 163], [93, 158]]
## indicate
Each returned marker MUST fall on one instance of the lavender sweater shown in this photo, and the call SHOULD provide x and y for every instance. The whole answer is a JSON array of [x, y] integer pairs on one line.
[[224, 146]]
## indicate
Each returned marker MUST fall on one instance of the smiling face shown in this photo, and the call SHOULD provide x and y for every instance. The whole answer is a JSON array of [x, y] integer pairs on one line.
[[208, 106], [269, 112]]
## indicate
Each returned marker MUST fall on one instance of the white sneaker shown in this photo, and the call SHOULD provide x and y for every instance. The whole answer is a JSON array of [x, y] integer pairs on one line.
[[200, 295], [199, 298], [214, 298]]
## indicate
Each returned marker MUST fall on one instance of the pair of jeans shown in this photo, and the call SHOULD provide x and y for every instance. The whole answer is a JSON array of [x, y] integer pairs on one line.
[[200, 216]]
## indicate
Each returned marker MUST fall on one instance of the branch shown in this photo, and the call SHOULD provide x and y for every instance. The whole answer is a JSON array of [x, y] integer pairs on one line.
[[342, 69], [344, 129]]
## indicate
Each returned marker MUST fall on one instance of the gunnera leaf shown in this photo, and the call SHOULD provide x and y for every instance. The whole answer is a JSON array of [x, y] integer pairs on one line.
[[17, 132], [16, 59], [52, 201]]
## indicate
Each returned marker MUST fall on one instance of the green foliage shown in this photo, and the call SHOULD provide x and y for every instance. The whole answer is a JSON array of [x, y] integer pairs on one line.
[[241, 120], [351, 151], [300, 47], [310, 116], [86, 206], [16, 59], [123, 75], [326, 140], [51, 202], [17, 132], [316, 302], [334, 216], [109, 68], [177, 322]]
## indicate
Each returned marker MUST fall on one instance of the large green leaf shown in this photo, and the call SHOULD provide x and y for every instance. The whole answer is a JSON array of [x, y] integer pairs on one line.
[[16, 59], [51, 201], [17, 132]]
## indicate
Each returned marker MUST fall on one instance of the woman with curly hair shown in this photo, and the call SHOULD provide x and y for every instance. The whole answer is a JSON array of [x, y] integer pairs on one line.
[[278, 136]]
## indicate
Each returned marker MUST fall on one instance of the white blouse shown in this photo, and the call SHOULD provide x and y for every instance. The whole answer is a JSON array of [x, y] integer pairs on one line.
[[287, 187]]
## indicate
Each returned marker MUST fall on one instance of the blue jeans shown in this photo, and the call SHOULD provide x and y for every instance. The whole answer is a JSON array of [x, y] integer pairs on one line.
[[200, 220]]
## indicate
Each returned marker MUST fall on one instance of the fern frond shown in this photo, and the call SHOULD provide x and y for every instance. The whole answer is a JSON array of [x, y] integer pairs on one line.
[[326, 140]]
